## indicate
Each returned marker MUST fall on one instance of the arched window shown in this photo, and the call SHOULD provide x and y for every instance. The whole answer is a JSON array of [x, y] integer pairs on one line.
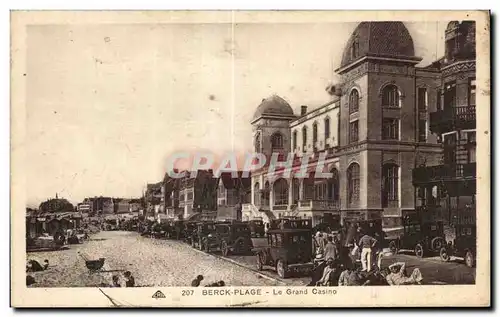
[[257, 143], [280, 189], [296, 190], [390, 96], [256, 194], [353, 101], [390, 185], [294, 140], [304, 139], [315, 135], [327, 128], [276, 141], [265, 195], [353, 183]]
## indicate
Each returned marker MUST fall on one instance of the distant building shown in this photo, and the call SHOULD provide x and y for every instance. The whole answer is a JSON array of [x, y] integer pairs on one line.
[[186, 197], [231, 194], [56, 205], [153, 198]]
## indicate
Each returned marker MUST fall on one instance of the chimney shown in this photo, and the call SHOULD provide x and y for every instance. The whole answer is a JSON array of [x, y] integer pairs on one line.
[[303, 110]]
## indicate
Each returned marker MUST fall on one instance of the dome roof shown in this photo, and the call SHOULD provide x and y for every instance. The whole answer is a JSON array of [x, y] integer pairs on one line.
[[390, 39], [274, 106]]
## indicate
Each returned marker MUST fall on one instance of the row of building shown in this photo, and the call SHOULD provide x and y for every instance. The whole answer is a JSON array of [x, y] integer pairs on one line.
[[398, 138], [109, 205]]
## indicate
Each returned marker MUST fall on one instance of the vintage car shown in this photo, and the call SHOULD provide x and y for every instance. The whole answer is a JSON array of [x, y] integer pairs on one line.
[[464, 245], [188, 231], [289, 247], [204, 236], [230, 237], [256, 228], [423, 236]]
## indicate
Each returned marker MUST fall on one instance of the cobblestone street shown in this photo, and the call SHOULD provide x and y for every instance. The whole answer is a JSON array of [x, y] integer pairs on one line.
[[173, 263], [152, 263]]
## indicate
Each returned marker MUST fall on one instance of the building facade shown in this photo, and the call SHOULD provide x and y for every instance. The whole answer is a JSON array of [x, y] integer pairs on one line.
[[447, 190], [374, 131], [189, 196]]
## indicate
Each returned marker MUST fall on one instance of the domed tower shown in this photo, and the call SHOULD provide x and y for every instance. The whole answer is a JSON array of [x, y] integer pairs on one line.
[[377, 127], [271, 132]]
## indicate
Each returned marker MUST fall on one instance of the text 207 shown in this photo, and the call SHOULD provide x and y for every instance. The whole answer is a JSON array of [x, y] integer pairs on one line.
[[187, 292]]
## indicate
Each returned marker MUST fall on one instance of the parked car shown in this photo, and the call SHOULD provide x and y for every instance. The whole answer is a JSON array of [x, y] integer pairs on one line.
[[420, 235], [204, 236], [231, 237], [256, 228], [289, 247], [464, 245]]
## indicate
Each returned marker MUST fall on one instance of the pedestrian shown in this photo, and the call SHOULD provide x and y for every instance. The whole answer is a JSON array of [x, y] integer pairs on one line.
[[398, 277], [378, 251], [116, 281], [320, 243], [197, 281], [331, 250], [366, 243], [344, 276], [129, 279], [327, 273]]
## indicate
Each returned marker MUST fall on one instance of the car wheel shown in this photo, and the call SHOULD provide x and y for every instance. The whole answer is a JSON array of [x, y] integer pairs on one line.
[[469, 259], [393, 246], [419, 250], [437, 243], [281, 269], [224, 248], [259, 262], [443, 253]]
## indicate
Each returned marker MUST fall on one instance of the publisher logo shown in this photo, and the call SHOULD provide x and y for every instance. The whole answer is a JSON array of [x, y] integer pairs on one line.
[[158, 294]]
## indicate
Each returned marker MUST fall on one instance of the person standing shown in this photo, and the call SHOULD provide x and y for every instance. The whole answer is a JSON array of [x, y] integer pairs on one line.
[[331, 249], [366, 243]]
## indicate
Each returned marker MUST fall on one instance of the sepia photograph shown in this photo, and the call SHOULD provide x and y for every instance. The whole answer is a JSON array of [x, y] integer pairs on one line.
[[268, 158]]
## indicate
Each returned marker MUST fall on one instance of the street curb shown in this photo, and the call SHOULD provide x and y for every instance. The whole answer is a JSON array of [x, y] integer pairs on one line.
[[242, 266]]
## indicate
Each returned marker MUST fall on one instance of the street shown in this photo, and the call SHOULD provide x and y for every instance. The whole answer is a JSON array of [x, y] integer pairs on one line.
[[155, 262]]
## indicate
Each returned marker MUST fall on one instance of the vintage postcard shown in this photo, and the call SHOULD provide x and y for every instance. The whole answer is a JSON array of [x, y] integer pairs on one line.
[[250, 158]]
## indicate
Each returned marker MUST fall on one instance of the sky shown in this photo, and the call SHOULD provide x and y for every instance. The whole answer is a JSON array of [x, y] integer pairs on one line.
[[107, 104]]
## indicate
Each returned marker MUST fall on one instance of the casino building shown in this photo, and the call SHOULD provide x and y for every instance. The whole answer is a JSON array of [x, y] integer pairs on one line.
[[386, 122]]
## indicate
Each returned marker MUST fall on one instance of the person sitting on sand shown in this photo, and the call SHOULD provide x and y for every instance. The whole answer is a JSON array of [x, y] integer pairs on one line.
[[45, 264], [398, 277], [30, 280], [129, 279], [34, 266], [221, 284], [116, 281], [197, 281]]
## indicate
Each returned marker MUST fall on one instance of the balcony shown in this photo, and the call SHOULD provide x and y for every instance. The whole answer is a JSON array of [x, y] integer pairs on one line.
[[453, 118], [438, 173], [316, 204]]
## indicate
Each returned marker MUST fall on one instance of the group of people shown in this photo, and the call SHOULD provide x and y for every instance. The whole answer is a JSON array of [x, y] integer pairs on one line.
[[337, 256], [197, 282], [129, 280]]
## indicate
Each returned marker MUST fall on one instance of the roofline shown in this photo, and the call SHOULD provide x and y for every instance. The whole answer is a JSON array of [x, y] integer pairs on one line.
[[296, 121], [275, 116], [408, 59]]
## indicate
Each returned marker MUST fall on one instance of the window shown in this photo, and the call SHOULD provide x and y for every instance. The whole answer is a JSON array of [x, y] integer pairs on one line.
[[315, 135], [276, 141], [472, 92], [190, 195], [353, 183], [390, 129], [390, 185], [353, 132], [280, 192], [422, 131], [256, 194], [450, 94], [422, 99], [355, 49], [449, 143], [304, 139], [353, 101], [471, 147], [257, 143], [294, 140], [390, 96], [327, 128]]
